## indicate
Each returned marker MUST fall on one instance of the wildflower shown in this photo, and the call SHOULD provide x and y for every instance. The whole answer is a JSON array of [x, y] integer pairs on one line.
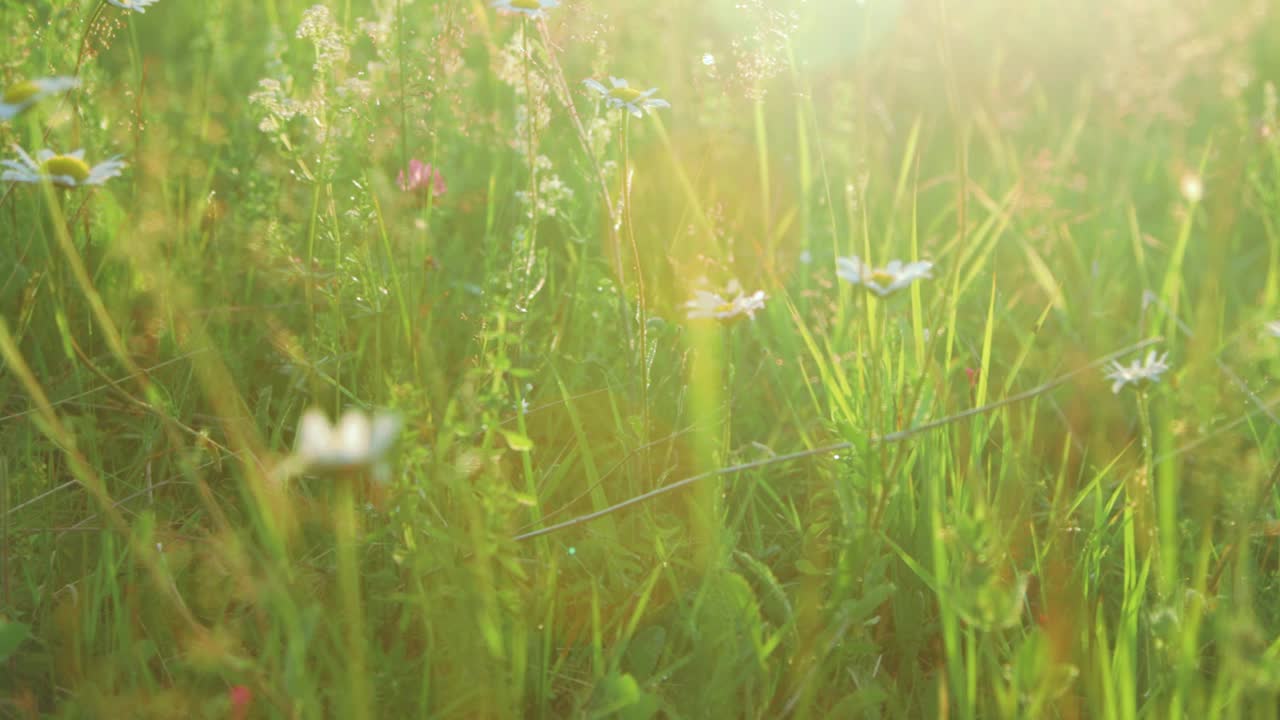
[[628, 98], [529, 8], [1139, 372], [711, 305], [134, 5], [1274, 328], [241, 698], [421, 177], [23, 95], [1191, 187], [328, 38], [972, 374], [882, 281], [355, 442], [68, 170]]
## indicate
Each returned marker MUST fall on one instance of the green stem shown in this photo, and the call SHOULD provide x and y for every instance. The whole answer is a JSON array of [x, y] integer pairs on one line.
[[347, 533], [531, 120], [642, 309]]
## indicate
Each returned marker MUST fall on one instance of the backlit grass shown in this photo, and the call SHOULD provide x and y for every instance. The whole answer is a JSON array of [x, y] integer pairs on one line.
[[852, 359]]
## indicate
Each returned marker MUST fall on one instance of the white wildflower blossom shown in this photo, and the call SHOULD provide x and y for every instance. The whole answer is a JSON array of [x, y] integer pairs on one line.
[[1274, 328], [621, 95], [535, 9], [882, 281], [356, 89], [319, 27], [69, 170], [1138, 373], [733, 305], [22, 95], [356, 442], [600, 134], [1191, 187], [554, 195], [273, 98], [133, 5]]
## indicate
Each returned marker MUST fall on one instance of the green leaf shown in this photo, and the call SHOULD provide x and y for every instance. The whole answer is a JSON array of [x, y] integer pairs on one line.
[[11, 636], [615, 692], [644, 651], [518, 441]]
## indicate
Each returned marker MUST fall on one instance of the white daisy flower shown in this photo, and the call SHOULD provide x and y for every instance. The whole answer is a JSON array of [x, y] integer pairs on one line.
[[630, 99], [882, 281], [134, 5], [529, 8], [707, 305], [355, 442], [23, 95], [68, 170], [1274, 328], [1191, 187], [1139, 373]]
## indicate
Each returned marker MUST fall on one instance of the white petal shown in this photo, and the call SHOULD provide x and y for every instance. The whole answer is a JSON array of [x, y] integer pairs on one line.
[[353, 435], [850, 268], [17, 176], [386, 426], [26, 159], [54, 85], [921, 268], [315, 436]]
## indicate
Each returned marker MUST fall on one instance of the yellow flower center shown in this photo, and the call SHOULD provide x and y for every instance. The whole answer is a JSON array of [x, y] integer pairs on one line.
[[625, 94], [527, 4], [66, 165], [882, 278], [724, 307], [21, 92]]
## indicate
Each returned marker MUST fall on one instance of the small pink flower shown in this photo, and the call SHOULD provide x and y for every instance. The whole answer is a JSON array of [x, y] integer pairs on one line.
[[972, 374], [422, 176], [241, 697]]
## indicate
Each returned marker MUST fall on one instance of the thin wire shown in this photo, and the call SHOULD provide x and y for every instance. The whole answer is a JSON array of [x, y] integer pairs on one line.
[[837, 447]]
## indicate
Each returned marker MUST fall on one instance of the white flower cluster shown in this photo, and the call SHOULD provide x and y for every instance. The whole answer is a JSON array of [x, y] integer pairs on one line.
[[554, 195], [330, 42], [278, 107]]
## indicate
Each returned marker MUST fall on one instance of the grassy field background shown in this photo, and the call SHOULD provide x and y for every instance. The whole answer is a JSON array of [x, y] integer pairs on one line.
[[1084, 177]]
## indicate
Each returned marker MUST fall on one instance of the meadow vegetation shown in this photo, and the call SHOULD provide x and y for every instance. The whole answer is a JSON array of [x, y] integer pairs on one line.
[[732, 358]]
